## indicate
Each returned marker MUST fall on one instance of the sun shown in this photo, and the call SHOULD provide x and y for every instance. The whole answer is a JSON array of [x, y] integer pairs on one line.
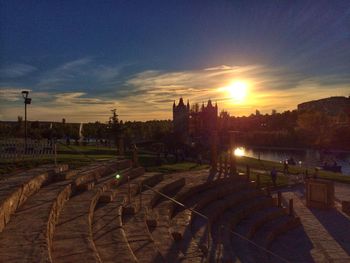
[[238, 90]]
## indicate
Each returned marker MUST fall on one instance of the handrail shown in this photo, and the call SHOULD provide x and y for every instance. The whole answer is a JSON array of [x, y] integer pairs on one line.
[[177, 202], [208, 221]]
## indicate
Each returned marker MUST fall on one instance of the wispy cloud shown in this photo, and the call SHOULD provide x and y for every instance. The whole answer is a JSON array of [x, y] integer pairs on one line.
[[64, 73], [11, 94], [149, 94], [16, 70], [73, 98]]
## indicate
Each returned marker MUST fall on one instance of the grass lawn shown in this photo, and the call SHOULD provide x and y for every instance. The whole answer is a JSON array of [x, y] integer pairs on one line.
[[177, 167], [73, 160], [293, 169]]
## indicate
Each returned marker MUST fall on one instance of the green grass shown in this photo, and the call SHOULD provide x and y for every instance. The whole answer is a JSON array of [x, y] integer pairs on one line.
[[293, 169], [89, 150], [73, 160], [177, 167]]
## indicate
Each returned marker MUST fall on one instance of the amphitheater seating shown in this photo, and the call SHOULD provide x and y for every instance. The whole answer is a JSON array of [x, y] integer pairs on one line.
[[89, 215]]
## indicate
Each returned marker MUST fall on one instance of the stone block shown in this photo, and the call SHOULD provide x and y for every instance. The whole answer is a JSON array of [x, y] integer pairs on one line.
[[151, 222], [177, 236], [129, 210], [319, 193], [86, 186], [346, 207], [105, 198]]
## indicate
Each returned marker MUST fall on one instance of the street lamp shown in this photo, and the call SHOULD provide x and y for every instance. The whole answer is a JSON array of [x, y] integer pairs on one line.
[[26, 101]]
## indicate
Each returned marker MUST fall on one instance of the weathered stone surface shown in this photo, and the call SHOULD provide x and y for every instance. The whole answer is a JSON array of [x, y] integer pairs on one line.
[[15, 190], [73, 232], [31, 228], [346, 207]]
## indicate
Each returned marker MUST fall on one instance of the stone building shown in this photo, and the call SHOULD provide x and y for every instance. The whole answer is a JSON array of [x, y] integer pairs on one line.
[[181, 113], [196, 124]]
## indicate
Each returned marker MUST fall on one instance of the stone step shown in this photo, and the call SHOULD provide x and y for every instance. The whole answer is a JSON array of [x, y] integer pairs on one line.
[[41, 212], [180, 225], [108, 232], [214, 210], [247, 252], [204, 194], [249, 226], [72, 241], [274, 227], [27, 238], [163, 240], [16, 189], [140, 239], [223, 247], [143, 243], [289, 246]]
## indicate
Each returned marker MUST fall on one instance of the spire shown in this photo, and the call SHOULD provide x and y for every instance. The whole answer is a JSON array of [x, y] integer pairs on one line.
[[181, 102], [188, 104], [216, 104], [209, 103], [174, 104]]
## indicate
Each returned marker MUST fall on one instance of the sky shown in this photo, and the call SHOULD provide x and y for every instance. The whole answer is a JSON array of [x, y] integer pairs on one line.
[[81, 59]]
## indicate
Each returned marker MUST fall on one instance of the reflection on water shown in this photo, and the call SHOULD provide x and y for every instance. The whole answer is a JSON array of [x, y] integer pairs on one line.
[[307, 157]]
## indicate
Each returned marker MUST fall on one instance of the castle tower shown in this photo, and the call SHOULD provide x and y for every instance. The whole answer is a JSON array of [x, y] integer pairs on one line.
[[181, 114]]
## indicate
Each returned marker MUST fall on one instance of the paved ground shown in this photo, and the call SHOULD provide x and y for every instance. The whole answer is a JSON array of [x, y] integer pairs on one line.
[[327, 230]]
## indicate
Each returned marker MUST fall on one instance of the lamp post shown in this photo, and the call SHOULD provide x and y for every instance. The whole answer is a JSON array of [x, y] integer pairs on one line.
[[26, 102]]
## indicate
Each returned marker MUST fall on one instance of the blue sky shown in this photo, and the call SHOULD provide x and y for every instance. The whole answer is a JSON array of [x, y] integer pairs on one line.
[[80, 59]]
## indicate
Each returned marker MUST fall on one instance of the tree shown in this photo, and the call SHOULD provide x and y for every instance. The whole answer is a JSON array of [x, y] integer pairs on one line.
[[114, 127]]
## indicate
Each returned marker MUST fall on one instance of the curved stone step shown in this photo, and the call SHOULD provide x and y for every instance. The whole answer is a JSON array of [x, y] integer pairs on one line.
[[248, 252], [41, 212], [72, 240], [108, 232], [214, 210], [180, 225], [223, 248], [16, 189], [161, 234], [138, 227], [249, 226], [27, 238], [295, 246]]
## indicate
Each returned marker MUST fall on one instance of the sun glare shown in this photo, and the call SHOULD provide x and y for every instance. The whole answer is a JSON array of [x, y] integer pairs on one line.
[[238, 90], [239, 151]]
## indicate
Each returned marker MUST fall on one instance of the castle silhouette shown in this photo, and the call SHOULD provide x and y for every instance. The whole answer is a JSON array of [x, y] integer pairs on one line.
[[195, 124]]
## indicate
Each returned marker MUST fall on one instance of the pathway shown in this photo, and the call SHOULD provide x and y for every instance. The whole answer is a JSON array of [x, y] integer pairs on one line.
[[328, 230]]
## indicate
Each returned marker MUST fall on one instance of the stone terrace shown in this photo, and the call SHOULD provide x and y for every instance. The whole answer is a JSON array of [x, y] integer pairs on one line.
[[53, 214]]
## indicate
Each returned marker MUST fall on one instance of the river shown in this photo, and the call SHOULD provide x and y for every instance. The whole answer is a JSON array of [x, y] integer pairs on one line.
[[306, 157]]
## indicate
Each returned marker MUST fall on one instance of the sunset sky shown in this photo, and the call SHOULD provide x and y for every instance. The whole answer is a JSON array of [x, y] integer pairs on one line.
[[80, 59]]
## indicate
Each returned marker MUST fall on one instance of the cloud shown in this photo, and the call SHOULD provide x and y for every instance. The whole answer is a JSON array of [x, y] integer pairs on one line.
[[73, 98], [64, 73], [79, 74], [149, 94], [11, 94], [16, 70]]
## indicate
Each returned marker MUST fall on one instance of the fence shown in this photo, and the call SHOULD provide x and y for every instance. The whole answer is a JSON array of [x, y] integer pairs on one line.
[[15, 149]]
